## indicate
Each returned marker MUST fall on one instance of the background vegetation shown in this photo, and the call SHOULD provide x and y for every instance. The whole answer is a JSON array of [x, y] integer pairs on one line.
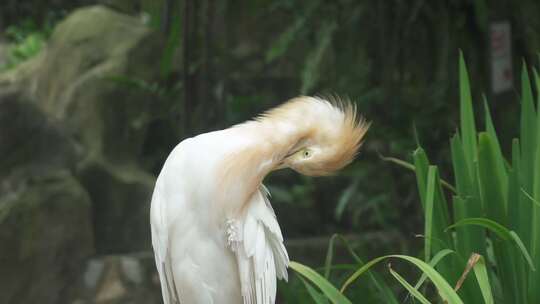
[[217, 63]]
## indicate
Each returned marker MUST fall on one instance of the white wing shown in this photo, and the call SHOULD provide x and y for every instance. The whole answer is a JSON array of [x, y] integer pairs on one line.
[[160, 243], [258, 244]]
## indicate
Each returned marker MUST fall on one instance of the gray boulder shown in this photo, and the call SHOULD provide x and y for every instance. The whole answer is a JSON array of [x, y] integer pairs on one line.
[[86, 77], [45, 228], [30, 142], [121, 279], [121, 205], [83, 78]]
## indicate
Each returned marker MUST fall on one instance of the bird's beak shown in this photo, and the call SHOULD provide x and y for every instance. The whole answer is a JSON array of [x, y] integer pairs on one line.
[[281, 165]]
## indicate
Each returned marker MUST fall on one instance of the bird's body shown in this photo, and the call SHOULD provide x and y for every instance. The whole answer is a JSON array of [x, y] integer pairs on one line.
[[215, 236], [205, 267]]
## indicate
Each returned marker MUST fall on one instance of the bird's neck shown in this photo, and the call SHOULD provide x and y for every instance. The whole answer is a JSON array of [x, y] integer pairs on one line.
[[245, 169], [278, 138]]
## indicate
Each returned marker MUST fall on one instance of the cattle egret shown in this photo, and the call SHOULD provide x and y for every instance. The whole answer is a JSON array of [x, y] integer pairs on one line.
[[216, 238]]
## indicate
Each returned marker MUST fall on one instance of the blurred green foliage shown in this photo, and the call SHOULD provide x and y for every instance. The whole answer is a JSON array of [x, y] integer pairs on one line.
[[490, 227], [223, 62], [26, 40], [27, 36], [392, 58]]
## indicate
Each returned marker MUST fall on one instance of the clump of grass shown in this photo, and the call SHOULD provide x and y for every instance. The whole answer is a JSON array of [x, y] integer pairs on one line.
[[491, 227]]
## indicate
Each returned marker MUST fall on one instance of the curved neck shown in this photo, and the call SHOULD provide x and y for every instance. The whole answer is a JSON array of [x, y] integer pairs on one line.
[[245, 169]]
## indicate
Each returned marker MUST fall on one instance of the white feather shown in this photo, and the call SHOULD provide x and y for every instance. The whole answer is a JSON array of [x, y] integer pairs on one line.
[[264, 252]]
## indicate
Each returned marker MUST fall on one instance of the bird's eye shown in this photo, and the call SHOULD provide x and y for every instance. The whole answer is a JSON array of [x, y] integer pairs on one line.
[[306, 153]]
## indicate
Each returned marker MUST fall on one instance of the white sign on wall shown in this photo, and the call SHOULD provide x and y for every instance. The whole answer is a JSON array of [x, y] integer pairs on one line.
[[501, 57]]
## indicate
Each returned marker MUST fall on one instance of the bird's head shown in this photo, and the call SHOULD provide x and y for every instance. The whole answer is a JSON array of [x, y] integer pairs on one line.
[[332, 134]]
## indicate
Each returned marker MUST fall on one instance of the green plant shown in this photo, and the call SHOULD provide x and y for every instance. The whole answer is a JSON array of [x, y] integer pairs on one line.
[[26, 41], [493, 220], [490, 207]]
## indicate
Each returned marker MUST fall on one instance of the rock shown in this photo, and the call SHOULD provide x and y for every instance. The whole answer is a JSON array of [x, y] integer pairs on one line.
[[121, 203], [121, 279], [45, 227], [4, 52], [92, 274], [112, 287], [30, 143], [132, 270], [46, 236], [87, 77]]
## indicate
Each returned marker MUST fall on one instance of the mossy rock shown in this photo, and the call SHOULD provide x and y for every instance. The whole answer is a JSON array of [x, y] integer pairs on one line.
[[121, 279], [30, 142], [121, 205], [84, 79], [45, 214], [85, 75], [46, 236]]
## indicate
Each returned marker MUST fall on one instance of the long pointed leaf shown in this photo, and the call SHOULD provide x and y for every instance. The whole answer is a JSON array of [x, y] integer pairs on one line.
[[411, 167], [326, 287], [315, 295], [501, 231], [468, 125], [446, 292], [385, 291], [428, 218], [534, 277], [415, 293], [482, 278], [434, 261]]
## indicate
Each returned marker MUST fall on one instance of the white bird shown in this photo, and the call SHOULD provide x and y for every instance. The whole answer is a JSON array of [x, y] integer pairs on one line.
[[215, 236]]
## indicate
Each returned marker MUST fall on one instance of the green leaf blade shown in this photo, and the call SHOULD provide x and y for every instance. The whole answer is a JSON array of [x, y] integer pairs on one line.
[[326, 287], [468, 125]]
